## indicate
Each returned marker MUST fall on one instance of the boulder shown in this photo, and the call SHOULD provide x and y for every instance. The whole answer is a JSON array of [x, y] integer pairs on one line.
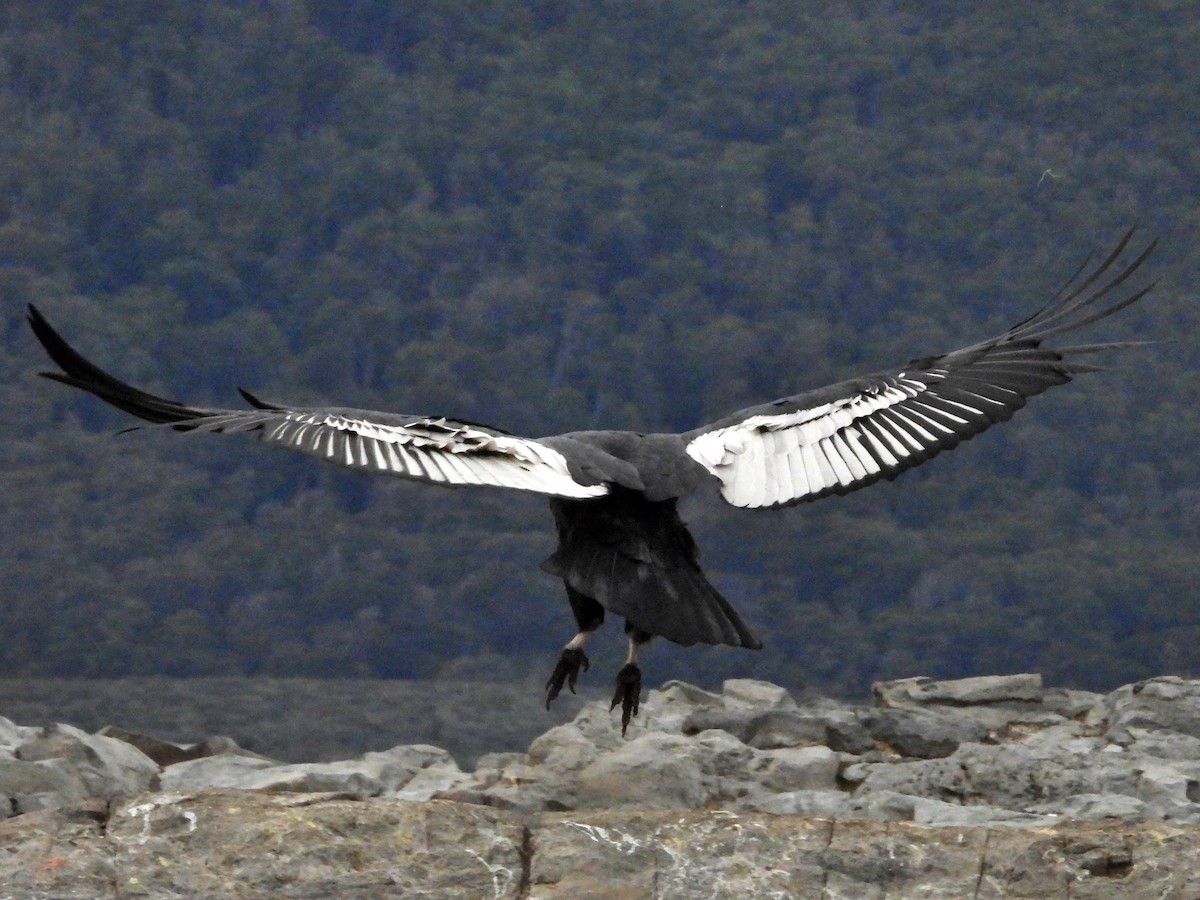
[[60, 766], [960, 692], [1165, 704], [167, 753], [921, 733], [370, 775]]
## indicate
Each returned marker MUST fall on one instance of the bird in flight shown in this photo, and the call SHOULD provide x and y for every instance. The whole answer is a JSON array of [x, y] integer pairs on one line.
[[622, 547]]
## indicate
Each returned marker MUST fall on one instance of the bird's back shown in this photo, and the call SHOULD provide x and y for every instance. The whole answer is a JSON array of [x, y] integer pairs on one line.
[[657, 465]]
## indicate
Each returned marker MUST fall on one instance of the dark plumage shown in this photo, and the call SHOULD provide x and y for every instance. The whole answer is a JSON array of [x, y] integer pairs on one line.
[[622, 546]]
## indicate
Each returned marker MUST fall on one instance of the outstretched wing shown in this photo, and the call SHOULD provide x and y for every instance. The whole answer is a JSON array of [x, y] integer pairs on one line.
[[843, 437], [437, 450]]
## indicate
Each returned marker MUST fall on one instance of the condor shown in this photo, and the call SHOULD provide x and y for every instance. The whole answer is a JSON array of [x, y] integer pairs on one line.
[[622, 547]]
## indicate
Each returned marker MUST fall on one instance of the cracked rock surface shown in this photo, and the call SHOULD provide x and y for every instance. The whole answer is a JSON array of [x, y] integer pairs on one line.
[[246, 844], [981, 787]]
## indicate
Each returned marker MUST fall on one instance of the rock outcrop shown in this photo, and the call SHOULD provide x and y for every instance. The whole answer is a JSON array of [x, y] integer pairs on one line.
[[972, 788], [247, 844]]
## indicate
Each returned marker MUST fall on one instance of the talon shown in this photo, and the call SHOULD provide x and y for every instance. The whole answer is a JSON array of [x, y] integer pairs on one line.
[[566, 671], [628, 693]]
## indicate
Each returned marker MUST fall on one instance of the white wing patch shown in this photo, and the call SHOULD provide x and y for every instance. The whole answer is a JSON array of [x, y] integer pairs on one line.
[[771, 460], [433, 450]]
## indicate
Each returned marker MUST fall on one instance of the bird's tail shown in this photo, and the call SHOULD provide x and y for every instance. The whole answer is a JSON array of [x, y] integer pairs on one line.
[[636, 558]]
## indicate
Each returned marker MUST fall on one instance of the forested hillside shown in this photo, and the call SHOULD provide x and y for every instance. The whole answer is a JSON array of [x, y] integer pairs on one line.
[[549, 216]]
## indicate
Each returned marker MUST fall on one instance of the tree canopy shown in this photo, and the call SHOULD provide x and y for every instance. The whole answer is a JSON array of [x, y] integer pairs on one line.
[[549, 217]]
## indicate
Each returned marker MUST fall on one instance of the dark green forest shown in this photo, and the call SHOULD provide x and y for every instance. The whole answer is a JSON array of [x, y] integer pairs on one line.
[[550, 217]]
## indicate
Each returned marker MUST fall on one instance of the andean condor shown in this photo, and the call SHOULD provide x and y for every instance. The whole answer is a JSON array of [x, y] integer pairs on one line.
[[622, 547]]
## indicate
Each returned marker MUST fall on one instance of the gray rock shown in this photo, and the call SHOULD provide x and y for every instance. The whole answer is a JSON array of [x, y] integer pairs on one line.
[[1021, 778], [1008, 705], [370, 775], [110, 759], [601, 726], [1167, 703], [1170, 789], [890, 806], [62, 766], [743, 722], [884, 805], [799, 768], [960, 692], [432, 782], [782, 728], [776, 721], [941, 779], [800, 803], [522, 787], [565, 748], [838, 729], [921, 733], [1095, 806], [29, 786], [845, 731], [545, 778], [1068, 703], [758, 694], [213, 772], [1164, 744], [1064, 738], [167, 753], [497, 761], [664, 770], [651, 771], [939, 814], [667, 708], [12, 735]]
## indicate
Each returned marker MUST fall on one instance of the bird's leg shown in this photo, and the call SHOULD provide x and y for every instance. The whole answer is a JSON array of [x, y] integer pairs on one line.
[[589, 615], [629, 679]]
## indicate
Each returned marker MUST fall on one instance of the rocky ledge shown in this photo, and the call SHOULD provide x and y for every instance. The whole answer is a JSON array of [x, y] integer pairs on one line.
[[981, 787]]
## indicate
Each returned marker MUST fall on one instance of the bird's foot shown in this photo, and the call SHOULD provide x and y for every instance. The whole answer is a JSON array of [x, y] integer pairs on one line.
[[628, 693], [570, 664]]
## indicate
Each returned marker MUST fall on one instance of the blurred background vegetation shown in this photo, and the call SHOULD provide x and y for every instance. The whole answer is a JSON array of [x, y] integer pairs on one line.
[[549, 217]]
